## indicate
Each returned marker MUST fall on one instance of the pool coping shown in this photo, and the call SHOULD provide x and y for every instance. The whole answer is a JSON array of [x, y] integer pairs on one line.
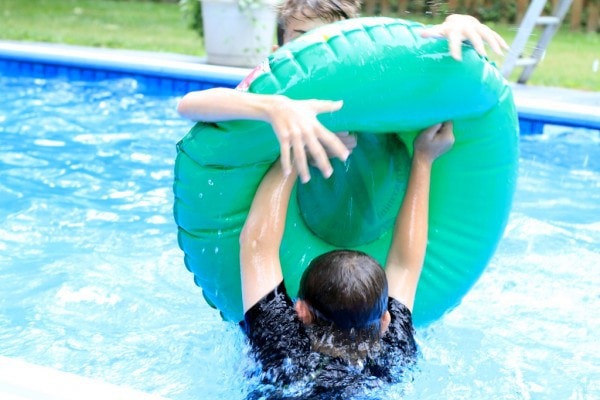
[[17, 377], [536, 106], [127, 62]]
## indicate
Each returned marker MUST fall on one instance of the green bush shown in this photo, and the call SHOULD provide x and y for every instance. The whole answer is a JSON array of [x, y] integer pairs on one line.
[[192, 11]]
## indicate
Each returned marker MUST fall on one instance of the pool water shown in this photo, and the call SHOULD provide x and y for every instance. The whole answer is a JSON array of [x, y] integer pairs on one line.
[[92, 281]]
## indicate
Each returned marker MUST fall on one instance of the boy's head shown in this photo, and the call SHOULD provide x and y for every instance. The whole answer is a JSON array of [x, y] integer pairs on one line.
[[299, 16], [345, 290]]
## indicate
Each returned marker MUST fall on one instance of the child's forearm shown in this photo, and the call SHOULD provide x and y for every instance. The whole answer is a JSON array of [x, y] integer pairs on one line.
[[269, 208], [407, 251], [294, 123], [222, 104], [262, 234]]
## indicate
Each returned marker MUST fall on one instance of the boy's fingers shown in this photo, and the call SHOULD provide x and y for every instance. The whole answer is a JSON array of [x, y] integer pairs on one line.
[[321, 106], [433, 31], [455, 43], [431, 131], [445, 128], [286, 164], [300, 162], [501, 40], [337, 148], [315, 149], [476, 41], [320, 159], [447, 132], [349, 141], [491, 38]]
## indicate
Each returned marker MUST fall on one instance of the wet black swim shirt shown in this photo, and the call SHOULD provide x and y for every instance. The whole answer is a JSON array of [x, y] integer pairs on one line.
[[288, 368]]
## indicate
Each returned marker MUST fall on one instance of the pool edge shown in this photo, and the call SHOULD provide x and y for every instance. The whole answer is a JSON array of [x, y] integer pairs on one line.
[[178, 74], [126, 61], [20, 380]]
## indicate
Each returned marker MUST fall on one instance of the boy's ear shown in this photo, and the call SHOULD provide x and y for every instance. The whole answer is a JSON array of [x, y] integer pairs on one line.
[[275, 47], [386, 318], [303, 311]]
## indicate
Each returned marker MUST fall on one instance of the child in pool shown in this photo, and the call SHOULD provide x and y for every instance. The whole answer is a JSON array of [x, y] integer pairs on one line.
[[295, 122], [351, 327]]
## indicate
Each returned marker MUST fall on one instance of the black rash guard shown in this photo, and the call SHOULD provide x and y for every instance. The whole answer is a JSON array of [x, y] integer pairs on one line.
[[289, 369]]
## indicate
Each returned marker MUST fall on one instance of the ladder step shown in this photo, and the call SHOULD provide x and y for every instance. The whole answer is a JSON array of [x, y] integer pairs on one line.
[[526, 61], [547, 20]]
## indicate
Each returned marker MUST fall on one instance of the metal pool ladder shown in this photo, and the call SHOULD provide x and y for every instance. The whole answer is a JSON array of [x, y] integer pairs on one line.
[[533, 17]]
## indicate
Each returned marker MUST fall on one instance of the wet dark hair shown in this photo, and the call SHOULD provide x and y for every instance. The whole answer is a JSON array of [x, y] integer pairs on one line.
[[347, 288]]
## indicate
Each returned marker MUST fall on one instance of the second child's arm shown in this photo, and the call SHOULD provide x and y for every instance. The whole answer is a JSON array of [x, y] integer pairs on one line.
[[407, 251], [223, 104], [261, 236], [294, 122]]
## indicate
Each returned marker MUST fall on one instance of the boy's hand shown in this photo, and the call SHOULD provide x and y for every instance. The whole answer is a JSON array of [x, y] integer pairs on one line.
[[346, 138], [299, 131], [435, 141], [457, 28]]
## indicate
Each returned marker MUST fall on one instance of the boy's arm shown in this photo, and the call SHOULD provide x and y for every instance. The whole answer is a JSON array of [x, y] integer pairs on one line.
[[294, 122], [261, 236], [407, 251], [457, 27]]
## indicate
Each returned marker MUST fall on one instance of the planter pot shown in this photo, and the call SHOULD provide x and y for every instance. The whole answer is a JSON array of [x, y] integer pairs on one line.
[[238, 37]]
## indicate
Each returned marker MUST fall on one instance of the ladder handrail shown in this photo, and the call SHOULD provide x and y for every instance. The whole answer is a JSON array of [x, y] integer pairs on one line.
[[538, 52], [525, 29], [533, 17]]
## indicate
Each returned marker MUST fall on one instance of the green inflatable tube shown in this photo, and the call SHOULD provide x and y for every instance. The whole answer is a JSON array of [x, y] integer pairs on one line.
[[391, 80]]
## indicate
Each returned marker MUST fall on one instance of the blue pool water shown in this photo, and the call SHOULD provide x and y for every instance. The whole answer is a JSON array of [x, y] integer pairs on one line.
[[92, 281]]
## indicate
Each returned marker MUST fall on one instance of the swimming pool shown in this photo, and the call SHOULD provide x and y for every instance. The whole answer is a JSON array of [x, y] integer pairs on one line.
[[92, 281]]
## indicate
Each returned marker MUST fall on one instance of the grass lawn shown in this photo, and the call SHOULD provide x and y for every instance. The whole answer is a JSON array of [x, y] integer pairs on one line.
[[571, 61], [138, 25]]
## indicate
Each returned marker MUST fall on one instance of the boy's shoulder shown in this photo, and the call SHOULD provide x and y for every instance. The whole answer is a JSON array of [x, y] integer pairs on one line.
[[272, 324]]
